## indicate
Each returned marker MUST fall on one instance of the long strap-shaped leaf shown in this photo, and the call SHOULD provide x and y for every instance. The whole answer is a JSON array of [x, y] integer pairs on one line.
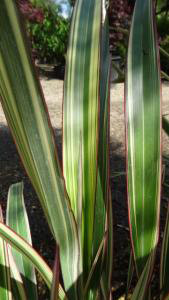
[[140, 291], [103, 200], [164, 271], [17, 219], [103, 146], [102, 194], [21, 245], [106, 280], [54, 294], [80, 114], [17, 286], [143, 130], [5, 282], [130, 274], [25, 111]]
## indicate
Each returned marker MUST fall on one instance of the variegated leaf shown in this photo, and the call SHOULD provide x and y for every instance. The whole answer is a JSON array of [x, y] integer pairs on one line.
[[26, 113], [5, 281], [54, 294], [143, 131], [17, 286], [17, 219], [21, 245], [80, 115]]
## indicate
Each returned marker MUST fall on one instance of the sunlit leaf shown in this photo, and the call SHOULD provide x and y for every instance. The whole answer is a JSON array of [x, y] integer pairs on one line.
[[5, 282], [17, 219], [27, 117], [143, 131], [18, 290], [21, 245], [80, 115]]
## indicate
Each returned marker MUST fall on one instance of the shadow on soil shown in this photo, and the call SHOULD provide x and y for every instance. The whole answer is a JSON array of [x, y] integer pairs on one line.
[[12, 171]]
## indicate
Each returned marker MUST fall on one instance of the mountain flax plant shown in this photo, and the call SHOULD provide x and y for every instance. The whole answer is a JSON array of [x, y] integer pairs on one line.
[[76, 196]]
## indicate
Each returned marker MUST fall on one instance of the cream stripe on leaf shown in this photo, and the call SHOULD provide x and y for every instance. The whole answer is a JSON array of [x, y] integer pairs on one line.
[[103, 209], [80, 115], [5, 281], [22, 246], [17, 286], [103, 143], [17, 220], [143, 132], [27, 116]]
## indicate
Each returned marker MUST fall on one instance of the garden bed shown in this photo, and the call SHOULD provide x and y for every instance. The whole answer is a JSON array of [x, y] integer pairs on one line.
[[12, 171]]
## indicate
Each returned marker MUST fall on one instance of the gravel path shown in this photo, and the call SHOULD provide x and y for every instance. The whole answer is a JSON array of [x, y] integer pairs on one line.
[[53, 90]]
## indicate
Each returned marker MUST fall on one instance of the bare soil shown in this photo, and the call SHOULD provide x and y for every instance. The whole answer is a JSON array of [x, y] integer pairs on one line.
[[12, 171]]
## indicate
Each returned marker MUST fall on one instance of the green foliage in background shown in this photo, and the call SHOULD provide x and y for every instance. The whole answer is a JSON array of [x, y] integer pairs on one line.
[[51, 4], [49, 37]]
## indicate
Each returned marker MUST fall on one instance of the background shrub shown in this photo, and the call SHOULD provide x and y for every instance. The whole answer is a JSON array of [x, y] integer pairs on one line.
[[48, 30]]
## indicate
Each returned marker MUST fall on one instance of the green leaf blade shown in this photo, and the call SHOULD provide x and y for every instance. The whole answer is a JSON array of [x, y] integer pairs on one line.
[[18, 289], [17, 220], [21, 245], [103, 145], [80, 114], [26, 114], [55, 283], [140, 291], [5, 286], [143, 131]]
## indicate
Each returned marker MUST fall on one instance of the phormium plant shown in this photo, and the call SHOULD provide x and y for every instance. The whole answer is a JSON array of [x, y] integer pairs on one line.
[[76, 197]]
